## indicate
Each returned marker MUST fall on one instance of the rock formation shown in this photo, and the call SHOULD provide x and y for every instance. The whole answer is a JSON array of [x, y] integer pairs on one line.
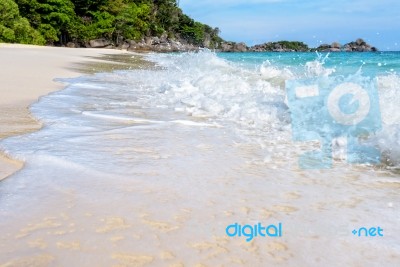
[[357, 46]]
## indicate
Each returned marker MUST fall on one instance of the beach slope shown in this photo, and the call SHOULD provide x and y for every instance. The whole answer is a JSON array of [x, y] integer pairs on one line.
[[28, 72]]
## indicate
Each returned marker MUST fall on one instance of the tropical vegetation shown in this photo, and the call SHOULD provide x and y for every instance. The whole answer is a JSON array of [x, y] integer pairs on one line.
[[56, 22]]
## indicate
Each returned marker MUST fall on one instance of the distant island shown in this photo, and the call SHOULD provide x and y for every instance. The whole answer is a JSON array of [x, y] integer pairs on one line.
[[295, 46], [135, 25]]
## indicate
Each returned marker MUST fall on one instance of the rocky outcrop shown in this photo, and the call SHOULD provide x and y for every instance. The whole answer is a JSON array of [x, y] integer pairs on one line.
[[147, 44], [99, 43], [233, 47], [72, 45], [157, 44], [334, 47], [281, 46], [358, 46], [164, 44]]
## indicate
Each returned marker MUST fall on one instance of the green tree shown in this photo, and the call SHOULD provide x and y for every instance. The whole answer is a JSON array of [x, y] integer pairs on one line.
[[102, 25], [14, 28], [167, 14], [60, 21], [194, 34], [53, 18], [83, 7], [131, 22]]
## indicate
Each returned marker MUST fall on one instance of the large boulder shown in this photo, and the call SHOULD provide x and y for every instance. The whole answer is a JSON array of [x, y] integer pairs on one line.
[[226, 47], [72, 45], [99, 43], [240, 47], [233, 47]]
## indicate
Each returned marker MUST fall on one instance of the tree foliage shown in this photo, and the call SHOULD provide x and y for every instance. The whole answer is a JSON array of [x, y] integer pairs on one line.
[[14, 28], [60, 21]]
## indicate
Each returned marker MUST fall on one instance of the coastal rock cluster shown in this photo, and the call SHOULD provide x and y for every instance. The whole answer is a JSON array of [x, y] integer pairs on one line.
[[281, 46], [233, 47], [147, 44], [165, 44], [293, 46], [158, 44], [357, 46]]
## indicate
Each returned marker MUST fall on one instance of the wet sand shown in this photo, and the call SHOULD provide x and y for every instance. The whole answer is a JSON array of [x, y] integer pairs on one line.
[[28, 72]]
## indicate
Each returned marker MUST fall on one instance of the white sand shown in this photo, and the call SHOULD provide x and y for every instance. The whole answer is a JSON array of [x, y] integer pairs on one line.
[[26, 73]]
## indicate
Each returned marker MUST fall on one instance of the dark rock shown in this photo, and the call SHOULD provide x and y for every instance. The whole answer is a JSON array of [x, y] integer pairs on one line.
[[240, 47], [99, 43], [226, 47], [234, 47], [72, 45]]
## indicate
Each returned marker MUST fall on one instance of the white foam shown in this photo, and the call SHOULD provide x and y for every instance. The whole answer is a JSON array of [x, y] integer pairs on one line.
[[198, 124]]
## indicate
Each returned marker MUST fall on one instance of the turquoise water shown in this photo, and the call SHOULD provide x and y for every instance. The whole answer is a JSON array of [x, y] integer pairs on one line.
[[150, 166], [377, 63]]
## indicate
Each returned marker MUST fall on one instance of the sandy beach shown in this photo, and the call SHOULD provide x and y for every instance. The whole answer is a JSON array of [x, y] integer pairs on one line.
[[28, 72], [167, 166]]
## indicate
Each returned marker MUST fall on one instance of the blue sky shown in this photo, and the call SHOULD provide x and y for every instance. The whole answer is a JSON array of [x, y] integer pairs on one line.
[[311, 21]]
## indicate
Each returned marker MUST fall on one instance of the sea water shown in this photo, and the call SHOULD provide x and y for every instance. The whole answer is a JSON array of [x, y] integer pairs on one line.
[[150, 166]]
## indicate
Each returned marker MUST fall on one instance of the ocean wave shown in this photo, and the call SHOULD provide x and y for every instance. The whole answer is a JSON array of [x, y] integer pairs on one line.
[[204, 85], [248, 97]]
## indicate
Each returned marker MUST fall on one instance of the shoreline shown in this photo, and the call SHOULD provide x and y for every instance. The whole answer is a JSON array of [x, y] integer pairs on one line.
[[28, 72]]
